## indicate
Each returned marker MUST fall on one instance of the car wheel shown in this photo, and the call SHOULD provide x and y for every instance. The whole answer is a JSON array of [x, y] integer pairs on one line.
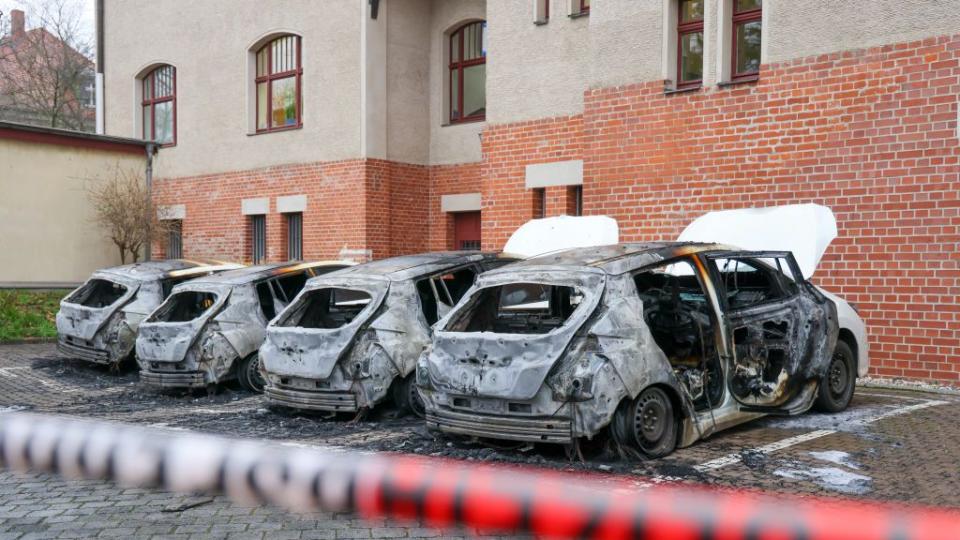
[[249, 374], [406, 396], [837, 386], [649, 423]]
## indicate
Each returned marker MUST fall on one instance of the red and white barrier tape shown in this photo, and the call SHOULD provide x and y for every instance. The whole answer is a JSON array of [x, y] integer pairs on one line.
[[444, 493]]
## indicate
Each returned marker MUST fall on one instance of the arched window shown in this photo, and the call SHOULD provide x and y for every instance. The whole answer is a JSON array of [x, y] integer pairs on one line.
[[159, 105], [468, 73], [278, 81]]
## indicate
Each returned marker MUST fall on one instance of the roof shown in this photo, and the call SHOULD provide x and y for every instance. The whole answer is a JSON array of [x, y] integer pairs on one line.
[[66, 137], [615, 258], [413, 266], [253, 274], [151, 270]]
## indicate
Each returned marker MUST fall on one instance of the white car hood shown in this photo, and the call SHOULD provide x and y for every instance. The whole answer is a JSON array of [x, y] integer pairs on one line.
[[804, 229], [539, 236]]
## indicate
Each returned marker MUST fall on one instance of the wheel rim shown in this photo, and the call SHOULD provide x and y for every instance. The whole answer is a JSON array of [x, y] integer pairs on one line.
[[253, 375], [650, 420], [838, 377], [414, 400]]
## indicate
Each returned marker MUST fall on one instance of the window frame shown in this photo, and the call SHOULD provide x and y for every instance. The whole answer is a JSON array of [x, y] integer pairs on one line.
[[683, 29], [576, 193], [175, 239], [294, 241], [270, 77], [459, 65], [584, 7], [258, 238], [540, 198], [153, 101], [740, 18]]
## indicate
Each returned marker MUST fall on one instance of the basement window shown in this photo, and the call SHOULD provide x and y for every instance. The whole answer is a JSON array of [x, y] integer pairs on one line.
[[184, 306], [327, 308], [97, 293], [518, 308]]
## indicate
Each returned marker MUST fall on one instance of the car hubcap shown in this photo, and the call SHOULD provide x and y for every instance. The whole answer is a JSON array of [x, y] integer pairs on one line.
[[253, 375], [838, 375], [651, 418]]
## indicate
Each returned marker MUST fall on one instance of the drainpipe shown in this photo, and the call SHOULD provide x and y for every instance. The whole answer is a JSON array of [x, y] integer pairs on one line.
[[101, 119], [151, 151]]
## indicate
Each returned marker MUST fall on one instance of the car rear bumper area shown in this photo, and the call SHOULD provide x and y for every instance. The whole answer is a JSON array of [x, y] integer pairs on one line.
[[309, 400], [533, 429], [76, 348], [173, 380]]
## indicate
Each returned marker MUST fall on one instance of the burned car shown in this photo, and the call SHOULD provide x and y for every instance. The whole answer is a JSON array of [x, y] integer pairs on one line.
[[98, 321], [649, 346], [209, 329], [352, 339]]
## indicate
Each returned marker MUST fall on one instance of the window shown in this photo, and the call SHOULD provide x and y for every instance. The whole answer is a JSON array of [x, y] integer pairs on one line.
[[258, 230], [518, 308], [539, 203], [466, 231], [159, 106], [541, 11], [468, 73], [175, 240], [584, 7], [295, 236], [278, 84], [750, 282], [747, 26], [690, 44], [438, 294], [576, 200]]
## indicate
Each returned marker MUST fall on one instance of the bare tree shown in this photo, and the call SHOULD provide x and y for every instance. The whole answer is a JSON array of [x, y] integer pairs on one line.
[[123, 211], [46, 75]]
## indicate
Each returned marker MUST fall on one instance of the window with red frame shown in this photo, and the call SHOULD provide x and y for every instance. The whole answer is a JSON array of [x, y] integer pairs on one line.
[[690, 44], [747, 30], [278, 80], [159, 106], [468, 73]]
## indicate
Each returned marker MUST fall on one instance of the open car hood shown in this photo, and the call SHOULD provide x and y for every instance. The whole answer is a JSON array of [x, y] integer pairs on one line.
[[806, 230], [539, 236]]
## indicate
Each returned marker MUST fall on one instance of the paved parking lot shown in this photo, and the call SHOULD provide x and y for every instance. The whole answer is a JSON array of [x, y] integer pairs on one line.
[[890, 445]]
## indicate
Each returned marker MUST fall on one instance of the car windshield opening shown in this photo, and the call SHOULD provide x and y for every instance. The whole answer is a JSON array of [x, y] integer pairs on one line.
[[97, 293], [518, 308], [326, 308], [184, 306]]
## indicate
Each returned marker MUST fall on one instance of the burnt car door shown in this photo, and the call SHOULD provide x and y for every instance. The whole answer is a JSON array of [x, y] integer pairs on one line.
[[782, 330]]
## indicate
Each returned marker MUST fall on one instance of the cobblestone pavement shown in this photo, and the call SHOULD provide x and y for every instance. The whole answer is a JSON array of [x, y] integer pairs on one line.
[[890, 445]]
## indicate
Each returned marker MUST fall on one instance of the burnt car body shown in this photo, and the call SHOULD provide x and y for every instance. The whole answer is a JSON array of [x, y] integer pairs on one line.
[[98, 321], [656, 345], [353, 338], [209, 329]]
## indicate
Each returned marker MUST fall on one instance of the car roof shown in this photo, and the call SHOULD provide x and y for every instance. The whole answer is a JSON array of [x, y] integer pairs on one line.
[[615, 258], [412, 266], [253, 274], [151, 270]]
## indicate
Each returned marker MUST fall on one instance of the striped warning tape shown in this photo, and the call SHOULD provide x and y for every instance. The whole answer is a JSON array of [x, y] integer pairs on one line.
[[443, 493]]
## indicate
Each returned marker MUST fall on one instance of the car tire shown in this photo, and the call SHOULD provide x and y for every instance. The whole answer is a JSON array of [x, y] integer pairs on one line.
[[837, 386], [406, 396], [648, 423], [248, 373]]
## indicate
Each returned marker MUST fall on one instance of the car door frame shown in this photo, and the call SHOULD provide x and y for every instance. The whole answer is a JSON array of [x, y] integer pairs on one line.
[[796, 393]]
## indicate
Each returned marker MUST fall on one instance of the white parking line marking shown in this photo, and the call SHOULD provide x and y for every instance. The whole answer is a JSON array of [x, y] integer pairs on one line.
[[731, 459]]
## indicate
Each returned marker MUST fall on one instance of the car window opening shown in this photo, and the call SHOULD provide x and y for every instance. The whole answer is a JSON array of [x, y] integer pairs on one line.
[[519, 308], [97, 293], [327, 308], [184, 306], [438, 294], [677, 313], [749, 282]]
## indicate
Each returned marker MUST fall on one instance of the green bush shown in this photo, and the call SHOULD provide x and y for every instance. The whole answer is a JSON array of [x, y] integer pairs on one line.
[[26, 314]]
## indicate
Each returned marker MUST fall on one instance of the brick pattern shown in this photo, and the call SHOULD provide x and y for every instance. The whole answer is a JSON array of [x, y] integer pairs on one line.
[[448, 180], [870, 133]]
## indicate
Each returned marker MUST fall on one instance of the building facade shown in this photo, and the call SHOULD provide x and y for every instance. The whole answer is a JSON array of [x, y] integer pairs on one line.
[[375, 128]]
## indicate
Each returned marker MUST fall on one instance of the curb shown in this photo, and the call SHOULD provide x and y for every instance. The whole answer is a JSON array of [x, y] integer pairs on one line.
[[29, 341], [910, 386]]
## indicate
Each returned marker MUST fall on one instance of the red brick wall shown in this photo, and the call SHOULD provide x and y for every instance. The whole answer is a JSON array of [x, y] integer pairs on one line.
[[871, 134]]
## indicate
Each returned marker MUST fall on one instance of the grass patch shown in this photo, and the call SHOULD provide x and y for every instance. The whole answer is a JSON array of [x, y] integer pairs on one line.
[[27, 314]]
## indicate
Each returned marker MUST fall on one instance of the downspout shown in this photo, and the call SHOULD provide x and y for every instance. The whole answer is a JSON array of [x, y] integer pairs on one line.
[[101, 118], [151, 151]]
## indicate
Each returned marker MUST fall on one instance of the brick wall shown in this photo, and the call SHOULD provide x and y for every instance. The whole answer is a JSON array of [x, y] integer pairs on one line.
[[871, 134], [448, 180]]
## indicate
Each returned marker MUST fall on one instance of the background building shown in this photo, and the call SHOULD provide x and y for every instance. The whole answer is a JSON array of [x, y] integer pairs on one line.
[[379, 128]]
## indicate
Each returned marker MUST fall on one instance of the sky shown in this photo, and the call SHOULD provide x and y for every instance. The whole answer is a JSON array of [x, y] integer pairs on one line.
[[86, 10]]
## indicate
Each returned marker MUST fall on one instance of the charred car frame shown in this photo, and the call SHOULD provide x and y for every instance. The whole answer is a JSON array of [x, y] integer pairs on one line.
[[654, 345], [352, 339], [209, 330]]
